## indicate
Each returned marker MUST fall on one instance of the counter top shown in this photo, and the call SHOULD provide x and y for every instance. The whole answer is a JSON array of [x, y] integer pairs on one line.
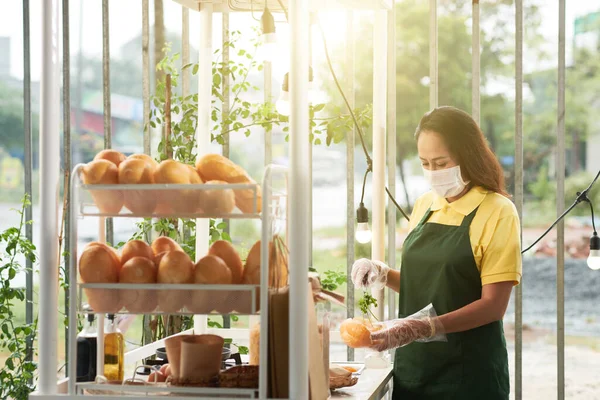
[[372, 385]]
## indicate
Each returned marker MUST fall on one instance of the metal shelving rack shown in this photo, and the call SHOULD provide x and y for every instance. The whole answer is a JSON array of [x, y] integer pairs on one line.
[[272, 219]]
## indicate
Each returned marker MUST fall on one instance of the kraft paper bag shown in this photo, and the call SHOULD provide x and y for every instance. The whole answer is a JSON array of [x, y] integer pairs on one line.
[[278, 350]]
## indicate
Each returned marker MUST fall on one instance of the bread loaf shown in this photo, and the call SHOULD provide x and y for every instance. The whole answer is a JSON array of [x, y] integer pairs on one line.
[[278, 275], [226, 252], [138, 171], [164, 243], [138, 270], [210, 270], [217, 201], [136, 248], [181, 201], [144, 157], [215, 167], [115, 157], [175, 267], [103, 172], [356, 332], [99, 264]]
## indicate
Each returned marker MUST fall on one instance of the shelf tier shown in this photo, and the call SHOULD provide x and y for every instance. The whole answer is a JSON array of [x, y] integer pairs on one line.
[[163, 390], [169, 200], [173, 299]]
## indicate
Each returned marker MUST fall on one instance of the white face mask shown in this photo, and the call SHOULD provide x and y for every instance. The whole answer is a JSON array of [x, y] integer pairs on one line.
[[446, 182]]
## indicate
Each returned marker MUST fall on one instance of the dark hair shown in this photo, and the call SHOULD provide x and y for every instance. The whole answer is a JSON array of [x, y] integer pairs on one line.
[[468, 146]]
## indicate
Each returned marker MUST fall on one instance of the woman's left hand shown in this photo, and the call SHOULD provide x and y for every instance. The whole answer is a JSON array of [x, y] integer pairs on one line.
[[401, 333]]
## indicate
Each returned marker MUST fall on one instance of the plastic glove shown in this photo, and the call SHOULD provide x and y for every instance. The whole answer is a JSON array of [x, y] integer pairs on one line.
[[367, 273], [423, 326]]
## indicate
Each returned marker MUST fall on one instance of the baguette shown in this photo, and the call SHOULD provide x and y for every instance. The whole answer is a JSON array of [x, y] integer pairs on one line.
[[106, 173], [138, 171], [215, 167]]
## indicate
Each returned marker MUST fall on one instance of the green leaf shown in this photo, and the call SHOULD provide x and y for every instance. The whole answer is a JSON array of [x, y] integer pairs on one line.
[[195, 69], [318, 107], [217, 80]]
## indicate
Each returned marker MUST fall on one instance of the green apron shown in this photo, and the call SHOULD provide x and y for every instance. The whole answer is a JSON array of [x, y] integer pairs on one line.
[[438, 267]]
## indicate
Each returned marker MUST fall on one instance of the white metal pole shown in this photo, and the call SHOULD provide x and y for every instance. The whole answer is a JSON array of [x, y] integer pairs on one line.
[[204, 123], [73, 297], [518, 182], [475, 100], [298, 195], [560, 204], [379, 138], [49, 189], [264, 284], [433, 55], [391, 147]]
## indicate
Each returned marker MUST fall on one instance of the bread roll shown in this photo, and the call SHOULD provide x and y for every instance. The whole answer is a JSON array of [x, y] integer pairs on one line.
[[215, 167], [136, 248], [210, 270], [144, 157], [217, 201], [226, 252], [164, 243], [175, 267], [181, 201], [355, 334], [138, 270], [112, 250], [278, 276], [138, 171], [103, 172], [278, 271], [115, 157], [98, 264]]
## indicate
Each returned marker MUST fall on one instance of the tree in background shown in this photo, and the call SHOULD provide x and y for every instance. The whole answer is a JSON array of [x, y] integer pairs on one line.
[[454, 61]]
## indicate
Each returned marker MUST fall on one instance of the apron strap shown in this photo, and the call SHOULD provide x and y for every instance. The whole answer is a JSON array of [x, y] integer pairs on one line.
[[425, 217], [469, 218]]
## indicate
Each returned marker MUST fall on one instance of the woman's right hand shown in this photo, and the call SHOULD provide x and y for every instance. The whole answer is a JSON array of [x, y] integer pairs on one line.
[[369, 273]]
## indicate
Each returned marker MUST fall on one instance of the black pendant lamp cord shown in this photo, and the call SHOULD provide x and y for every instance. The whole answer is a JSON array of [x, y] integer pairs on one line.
[[358, 128], [581, 197]]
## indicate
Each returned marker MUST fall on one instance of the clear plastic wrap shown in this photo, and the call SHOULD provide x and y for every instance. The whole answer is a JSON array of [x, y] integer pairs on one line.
[[369, 273], [422, 326]]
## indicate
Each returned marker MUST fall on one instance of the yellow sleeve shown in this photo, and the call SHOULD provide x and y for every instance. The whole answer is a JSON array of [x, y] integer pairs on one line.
[[501, 261]]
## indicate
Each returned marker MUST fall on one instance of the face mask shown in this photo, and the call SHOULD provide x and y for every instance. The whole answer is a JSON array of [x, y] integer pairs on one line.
[[446, 182]]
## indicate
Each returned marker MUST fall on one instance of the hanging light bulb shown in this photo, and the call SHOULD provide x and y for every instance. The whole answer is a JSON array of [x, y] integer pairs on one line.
[[593, 260], [269, 39], [363, 232], [283, 102]]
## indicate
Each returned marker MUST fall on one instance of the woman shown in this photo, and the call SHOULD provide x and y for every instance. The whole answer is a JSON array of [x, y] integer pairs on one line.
[[462, 256]]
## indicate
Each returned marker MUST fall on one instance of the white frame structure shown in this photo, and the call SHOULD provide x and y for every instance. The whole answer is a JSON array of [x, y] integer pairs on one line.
[[383, 104]]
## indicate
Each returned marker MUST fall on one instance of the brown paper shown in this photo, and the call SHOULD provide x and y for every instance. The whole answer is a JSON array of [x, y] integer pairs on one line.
[[173, 346], [200, 357], [278, 350], [318, 377]]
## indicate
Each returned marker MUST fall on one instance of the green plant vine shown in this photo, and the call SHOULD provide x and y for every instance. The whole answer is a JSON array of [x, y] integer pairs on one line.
[[18, 368]]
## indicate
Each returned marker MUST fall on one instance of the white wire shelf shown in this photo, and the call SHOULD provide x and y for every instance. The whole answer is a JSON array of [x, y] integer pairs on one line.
[[163, 390], [175, 299], [168, 200]]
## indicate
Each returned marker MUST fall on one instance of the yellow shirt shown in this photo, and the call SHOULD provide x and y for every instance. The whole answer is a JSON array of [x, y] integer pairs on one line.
[[494, 232]]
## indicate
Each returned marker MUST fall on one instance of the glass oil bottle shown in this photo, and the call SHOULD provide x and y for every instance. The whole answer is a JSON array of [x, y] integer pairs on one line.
[[114, 351]]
